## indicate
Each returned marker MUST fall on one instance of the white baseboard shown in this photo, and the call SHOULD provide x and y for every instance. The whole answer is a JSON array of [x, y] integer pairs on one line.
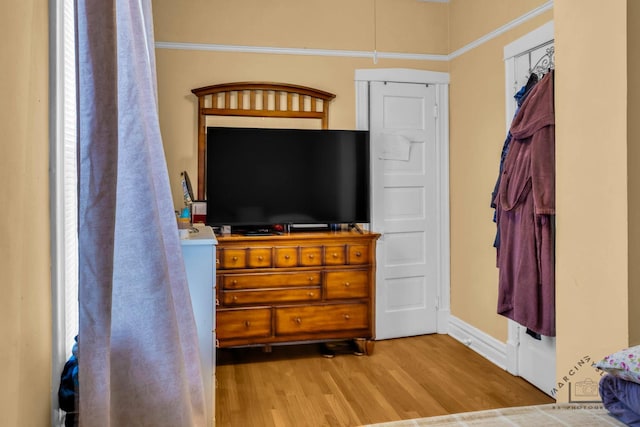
[[482, 343]]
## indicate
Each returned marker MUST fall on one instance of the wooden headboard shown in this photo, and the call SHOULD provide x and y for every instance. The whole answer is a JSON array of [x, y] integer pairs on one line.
[[256, 99]]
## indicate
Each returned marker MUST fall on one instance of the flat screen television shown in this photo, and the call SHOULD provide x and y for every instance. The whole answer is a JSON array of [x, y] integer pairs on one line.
[[259, 177]]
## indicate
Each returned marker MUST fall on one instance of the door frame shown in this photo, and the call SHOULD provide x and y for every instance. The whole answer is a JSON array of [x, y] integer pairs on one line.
[[441, 81], [530, 41]]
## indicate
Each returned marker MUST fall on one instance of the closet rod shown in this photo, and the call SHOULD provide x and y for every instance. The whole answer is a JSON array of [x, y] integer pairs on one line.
[[533, 49]]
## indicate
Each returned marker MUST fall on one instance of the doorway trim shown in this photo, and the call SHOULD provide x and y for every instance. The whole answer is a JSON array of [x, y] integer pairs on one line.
[[441, 80]]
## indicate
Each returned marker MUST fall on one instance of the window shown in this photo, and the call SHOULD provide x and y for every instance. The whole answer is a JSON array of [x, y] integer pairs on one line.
[[63, 178]]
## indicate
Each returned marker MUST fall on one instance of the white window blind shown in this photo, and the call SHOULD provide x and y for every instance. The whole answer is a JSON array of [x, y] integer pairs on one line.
[[70, 178], [64, 248]]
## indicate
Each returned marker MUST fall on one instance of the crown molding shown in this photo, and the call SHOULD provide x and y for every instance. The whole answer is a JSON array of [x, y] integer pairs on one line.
[[503, 29], [299, 51]]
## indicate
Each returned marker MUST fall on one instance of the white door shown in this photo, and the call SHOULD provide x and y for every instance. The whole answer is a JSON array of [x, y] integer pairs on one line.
[[405, 206], [530, 358]]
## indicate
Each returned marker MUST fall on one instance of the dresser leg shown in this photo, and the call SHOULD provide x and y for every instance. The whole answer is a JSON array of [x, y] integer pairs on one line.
[[267, 348], [369, 345], [356, 346], [363, 346], [326, 350]]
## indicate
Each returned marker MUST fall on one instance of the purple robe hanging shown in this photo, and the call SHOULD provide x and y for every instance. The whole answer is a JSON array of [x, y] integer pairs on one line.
[[525, 206]]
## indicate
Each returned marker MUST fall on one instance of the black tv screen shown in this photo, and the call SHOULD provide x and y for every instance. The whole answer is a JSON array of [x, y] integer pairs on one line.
[[263, 176]]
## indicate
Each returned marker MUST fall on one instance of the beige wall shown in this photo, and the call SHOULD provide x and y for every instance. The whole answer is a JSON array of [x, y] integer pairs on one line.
[[633, 160], [472, 19], [591, 184], [25, 304], [364, 25]]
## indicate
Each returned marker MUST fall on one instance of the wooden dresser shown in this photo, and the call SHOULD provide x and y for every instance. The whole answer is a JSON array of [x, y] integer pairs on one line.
[[311, 286]]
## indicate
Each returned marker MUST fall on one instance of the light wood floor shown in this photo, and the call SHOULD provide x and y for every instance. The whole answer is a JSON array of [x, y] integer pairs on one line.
[[403, 378]]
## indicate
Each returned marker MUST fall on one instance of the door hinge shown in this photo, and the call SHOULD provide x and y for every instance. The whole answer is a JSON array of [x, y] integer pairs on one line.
[[435, 111]]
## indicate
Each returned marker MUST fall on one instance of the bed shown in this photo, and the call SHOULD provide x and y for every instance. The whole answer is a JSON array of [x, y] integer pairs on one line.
[[620, 387]]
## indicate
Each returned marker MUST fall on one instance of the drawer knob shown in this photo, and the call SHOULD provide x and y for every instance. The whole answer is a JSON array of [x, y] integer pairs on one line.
[[347, 284], [260, 258], [235, 258], [335, 255], [311, 294], [311, 256], [311, 278], [358, 253], [235, 298], [287, 257], [298, 320], [217, 301], [234, 282], [247, 323], [347, 317]]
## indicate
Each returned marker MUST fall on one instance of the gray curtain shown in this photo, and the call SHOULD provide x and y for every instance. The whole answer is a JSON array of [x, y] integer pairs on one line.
[[138, 348]]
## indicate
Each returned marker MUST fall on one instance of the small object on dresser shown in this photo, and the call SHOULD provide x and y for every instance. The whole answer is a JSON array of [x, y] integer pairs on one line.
[[184, 223], [199, 212]]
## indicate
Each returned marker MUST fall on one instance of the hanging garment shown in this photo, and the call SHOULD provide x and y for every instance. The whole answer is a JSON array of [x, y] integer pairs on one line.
[[520, 96], [525, 213]]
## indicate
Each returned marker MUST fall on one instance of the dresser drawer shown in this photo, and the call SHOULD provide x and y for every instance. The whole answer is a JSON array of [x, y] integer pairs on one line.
[[358, 254], [246, 323], [269, 280], [286, 256], [310, 256], [323, 318], [233, 258], [335, 255], [270, 296], [347, 284], [259, 257]]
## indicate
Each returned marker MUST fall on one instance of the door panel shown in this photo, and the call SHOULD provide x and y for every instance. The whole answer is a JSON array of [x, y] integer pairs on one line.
[[404, 203], [537, 360], [405, 207], [404, 249]]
